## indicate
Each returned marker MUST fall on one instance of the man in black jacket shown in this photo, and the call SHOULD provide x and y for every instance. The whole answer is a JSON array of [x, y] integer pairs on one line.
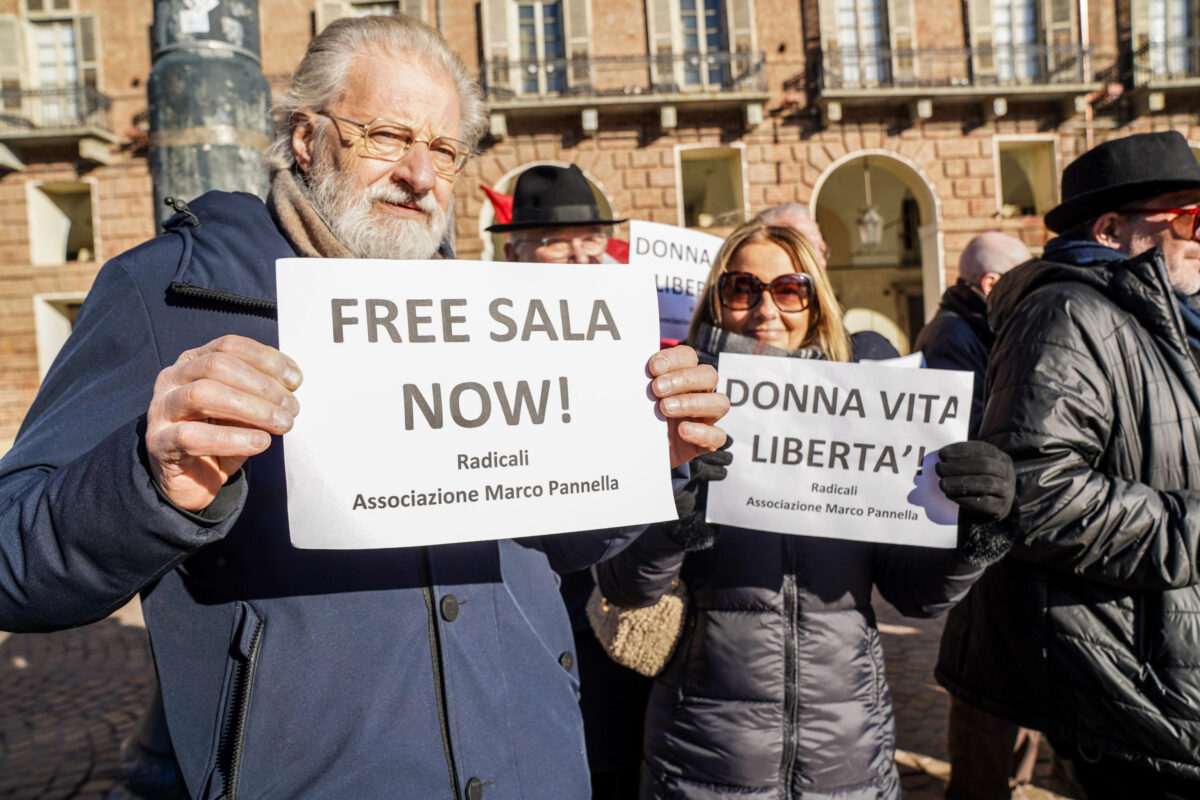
[[958, 336], [1090, 629], [986, 752]]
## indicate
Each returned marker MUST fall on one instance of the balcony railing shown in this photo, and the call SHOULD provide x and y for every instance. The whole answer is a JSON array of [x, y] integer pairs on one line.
[[624, 76], [980, 68], [1172, 60], [47, 111]]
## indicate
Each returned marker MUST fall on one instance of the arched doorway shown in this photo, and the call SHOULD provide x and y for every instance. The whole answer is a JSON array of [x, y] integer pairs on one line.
[[493, 243], [879, 216]]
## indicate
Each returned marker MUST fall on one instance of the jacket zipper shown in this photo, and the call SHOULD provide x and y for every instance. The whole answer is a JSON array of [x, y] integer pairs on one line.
[[790, 662], [242, 693], [439, 676], [187, 290]]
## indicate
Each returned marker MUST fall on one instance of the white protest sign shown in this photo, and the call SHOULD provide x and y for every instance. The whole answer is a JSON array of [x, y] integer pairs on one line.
[[844, 451], [680, 260], [449, 401]]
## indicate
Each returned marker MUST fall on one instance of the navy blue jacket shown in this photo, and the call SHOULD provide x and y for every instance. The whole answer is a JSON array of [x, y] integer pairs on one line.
[[285, 673]]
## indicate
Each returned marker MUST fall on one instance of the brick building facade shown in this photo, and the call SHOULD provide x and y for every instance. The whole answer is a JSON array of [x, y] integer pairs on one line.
[[906, 126]]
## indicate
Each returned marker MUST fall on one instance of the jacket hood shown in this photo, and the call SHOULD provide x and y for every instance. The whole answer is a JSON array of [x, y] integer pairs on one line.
[[223, 228], [1138, 285]]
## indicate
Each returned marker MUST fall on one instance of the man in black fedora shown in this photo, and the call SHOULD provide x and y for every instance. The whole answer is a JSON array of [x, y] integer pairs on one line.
[[1089, 629], [555, 219]]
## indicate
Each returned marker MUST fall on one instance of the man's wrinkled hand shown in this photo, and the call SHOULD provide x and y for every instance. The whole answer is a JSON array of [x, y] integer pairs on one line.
[[216, 406], [687, 399]]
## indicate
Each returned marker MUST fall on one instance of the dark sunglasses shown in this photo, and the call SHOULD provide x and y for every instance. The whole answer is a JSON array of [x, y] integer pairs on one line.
[[741, 291]]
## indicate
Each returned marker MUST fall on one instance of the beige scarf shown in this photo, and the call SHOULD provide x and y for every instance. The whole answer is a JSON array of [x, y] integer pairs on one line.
[[299, 221], [304, 228]]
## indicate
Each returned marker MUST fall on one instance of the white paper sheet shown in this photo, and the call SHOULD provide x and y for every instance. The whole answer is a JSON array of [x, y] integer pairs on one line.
[[844, 451], [516, 401], [680, 260]]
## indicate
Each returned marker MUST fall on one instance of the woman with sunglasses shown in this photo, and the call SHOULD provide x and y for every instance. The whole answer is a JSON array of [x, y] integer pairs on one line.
[[776, 687]]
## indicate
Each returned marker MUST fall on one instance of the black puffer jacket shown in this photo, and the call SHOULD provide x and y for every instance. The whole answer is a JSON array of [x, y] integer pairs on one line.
[[1090, 629], [776, 688]]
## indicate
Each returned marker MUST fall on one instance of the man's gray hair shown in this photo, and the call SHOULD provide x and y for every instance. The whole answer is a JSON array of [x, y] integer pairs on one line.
[[991, 252], [320, 79]]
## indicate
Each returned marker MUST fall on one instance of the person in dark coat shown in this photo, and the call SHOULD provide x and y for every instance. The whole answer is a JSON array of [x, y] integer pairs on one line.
[[776, 688], [986, 753], [1090, 629], [958, 336], [149, 463]]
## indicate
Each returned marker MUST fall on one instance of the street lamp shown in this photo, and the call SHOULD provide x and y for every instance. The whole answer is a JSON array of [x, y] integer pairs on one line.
[[869, 222]]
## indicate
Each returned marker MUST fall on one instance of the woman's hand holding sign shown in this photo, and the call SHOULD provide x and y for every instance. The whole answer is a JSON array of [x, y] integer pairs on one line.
[[687, 399]]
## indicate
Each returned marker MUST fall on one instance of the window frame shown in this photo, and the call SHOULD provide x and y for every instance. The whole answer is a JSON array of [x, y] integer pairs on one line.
[[545, 66], [31, 203], [704, 69], [998, 144], [742, 186]]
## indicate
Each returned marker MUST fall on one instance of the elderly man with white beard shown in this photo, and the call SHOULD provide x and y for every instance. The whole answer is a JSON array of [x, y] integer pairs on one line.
[[148, 464]]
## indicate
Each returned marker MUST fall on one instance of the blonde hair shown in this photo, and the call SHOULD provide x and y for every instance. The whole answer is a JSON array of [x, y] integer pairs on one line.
[[825, 328], [321, 77]]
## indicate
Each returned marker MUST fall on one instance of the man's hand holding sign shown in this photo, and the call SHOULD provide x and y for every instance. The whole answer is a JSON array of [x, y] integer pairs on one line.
[[216, 406]]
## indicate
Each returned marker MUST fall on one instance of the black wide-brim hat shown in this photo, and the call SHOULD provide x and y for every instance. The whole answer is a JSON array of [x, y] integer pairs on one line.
[[547, 196], [1122, 171]]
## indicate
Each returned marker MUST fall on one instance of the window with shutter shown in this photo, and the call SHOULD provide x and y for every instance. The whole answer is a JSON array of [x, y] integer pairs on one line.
[[900, 17], [577, 29], [89, 61], [742, 41], [660, 29], [983, 54], [497, 77], [10, 63], [1063, 57]]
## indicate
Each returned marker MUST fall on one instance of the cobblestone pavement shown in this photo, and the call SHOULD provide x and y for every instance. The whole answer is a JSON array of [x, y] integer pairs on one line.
[[67, 700]]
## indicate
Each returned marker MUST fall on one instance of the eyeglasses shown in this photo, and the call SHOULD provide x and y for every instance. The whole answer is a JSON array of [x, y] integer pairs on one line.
[[391, 141], [1184, 223], [559, 248], [741, 291]]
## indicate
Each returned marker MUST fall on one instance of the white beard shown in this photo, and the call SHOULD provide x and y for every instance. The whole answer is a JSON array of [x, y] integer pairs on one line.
[[346, 208]]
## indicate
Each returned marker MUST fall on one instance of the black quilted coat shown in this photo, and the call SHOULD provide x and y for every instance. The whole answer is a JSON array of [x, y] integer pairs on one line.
[[1090, 629], [776, 688]]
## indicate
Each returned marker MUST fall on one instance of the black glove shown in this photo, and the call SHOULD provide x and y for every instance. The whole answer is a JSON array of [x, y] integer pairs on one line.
[[980, 479], [690, 531]]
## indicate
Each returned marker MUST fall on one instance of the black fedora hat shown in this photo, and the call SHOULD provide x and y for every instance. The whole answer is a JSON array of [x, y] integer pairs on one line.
[[1123, 171], [547, 196]]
